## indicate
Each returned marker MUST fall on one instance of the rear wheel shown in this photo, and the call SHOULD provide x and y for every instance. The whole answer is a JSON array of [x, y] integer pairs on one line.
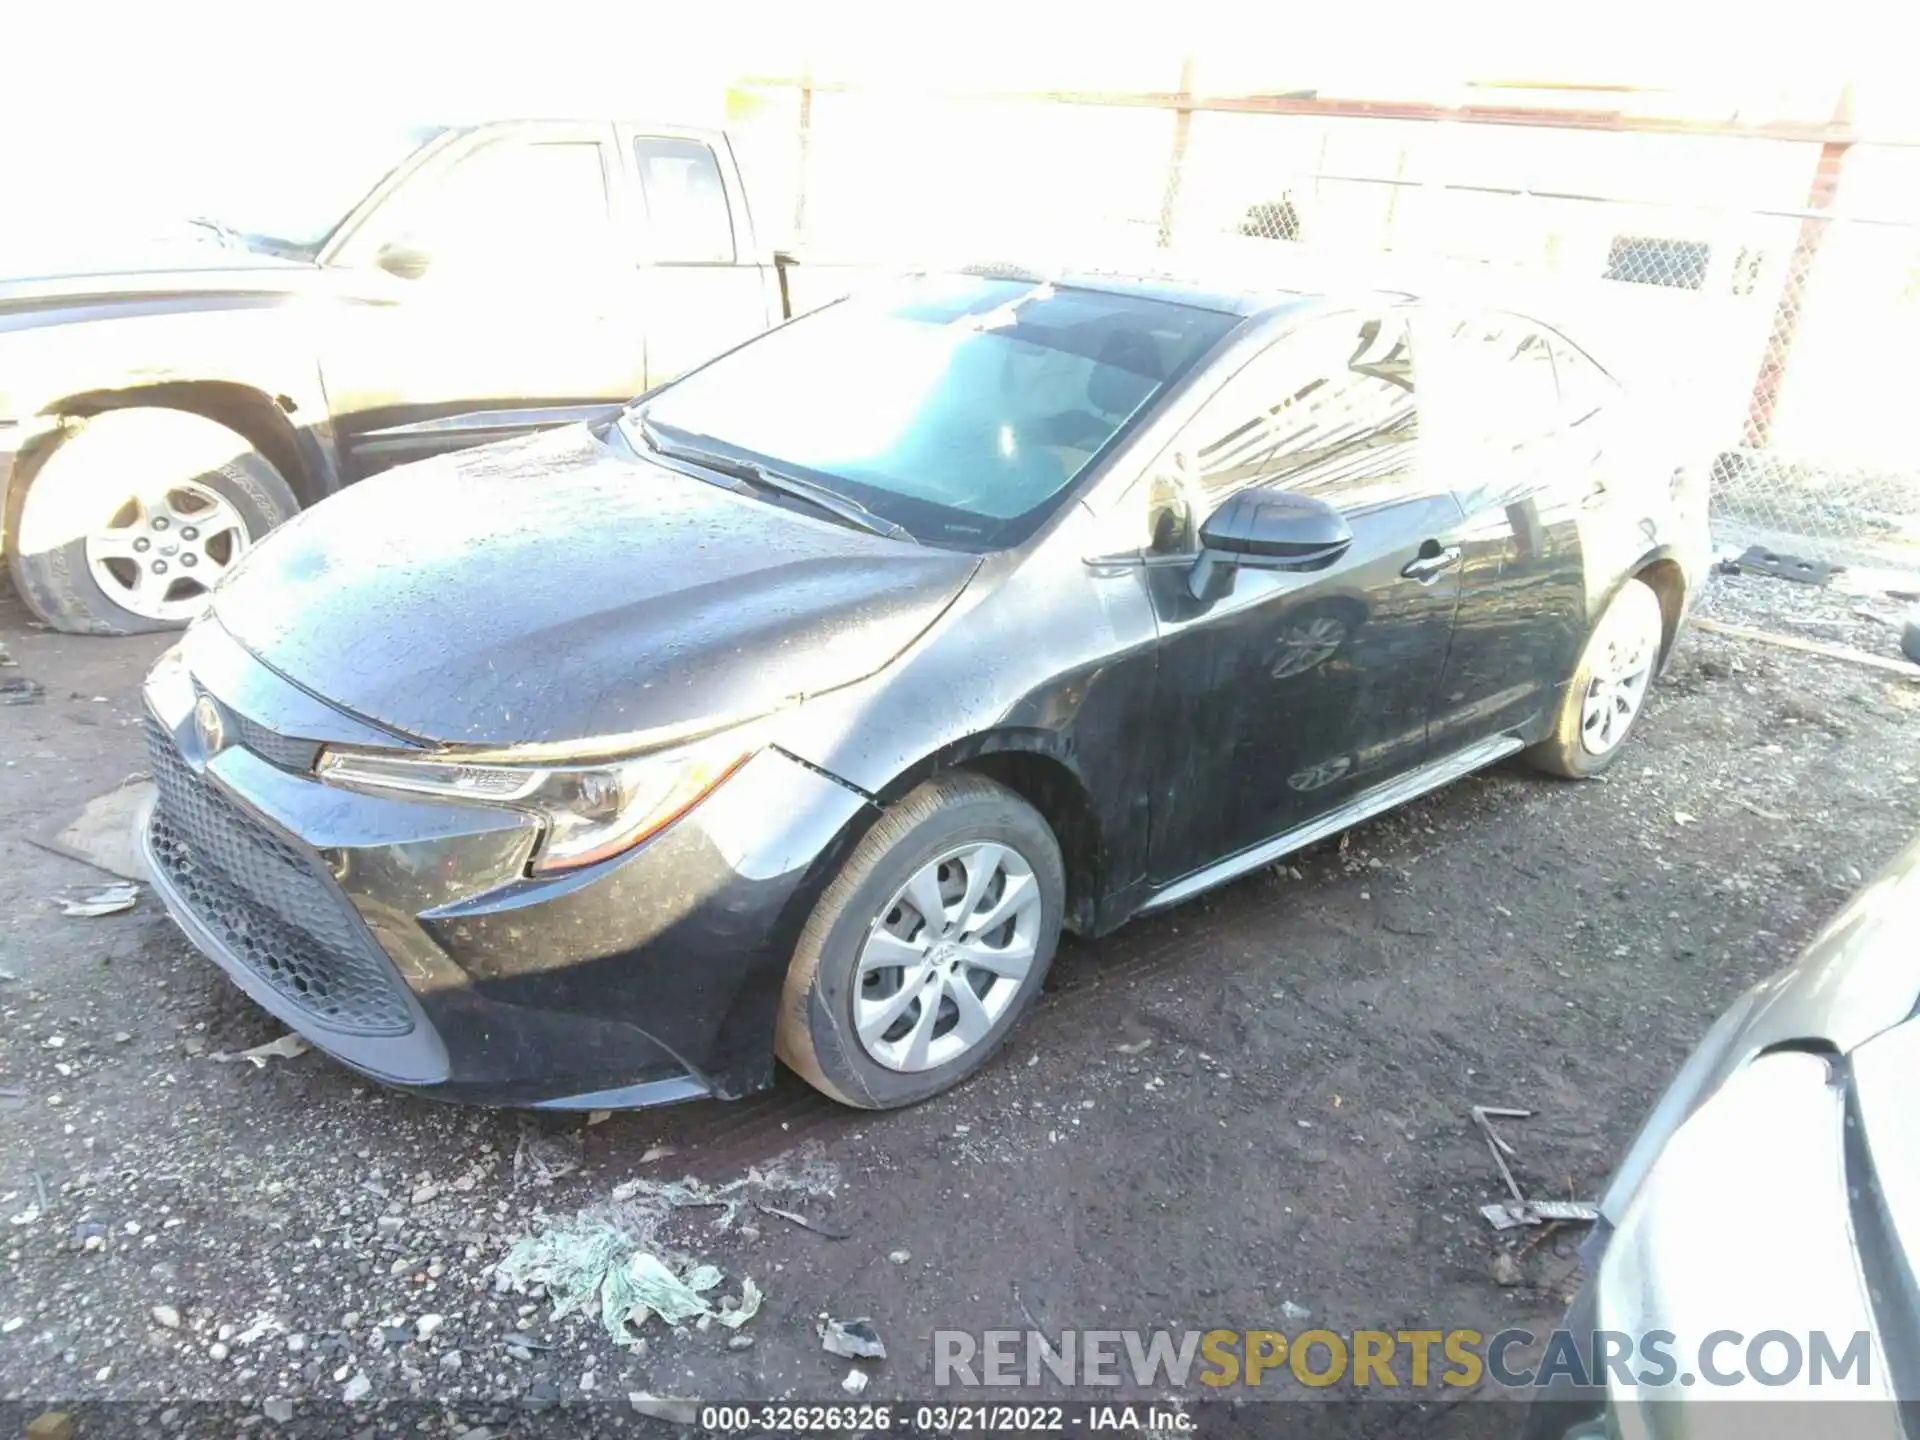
[[1604, 698], [928, 947], [134, 518]]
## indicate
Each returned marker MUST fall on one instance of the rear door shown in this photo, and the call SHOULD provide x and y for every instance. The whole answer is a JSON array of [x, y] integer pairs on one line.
[[1500, 435], [704, 286], [1296, 691], [517, 308]]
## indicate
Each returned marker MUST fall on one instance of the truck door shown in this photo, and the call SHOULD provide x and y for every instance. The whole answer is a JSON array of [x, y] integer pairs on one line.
[[704, 286], [493, 296]]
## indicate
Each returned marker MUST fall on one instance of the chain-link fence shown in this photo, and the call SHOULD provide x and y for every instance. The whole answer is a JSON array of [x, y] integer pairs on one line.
[[1765, 305]]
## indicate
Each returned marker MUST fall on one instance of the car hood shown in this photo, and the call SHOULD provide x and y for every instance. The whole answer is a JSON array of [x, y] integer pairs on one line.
[[554, 590]]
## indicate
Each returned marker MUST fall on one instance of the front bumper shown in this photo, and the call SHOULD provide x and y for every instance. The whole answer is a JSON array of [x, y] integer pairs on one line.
[[407, 939]]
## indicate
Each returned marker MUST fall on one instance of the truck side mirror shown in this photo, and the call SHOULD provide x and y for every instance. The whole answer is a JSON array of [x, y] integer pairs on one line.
[[403, 258]]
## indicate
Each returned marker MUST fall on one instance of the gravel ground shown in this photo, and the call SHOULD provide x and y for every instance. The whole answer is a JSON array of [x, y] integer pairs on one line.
[[1218, 1117]]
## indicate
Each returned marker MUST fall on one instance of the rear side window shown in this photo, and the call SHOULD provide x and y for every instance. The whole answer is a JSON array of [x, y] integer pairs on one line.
[[1490, 381], [686, 197]]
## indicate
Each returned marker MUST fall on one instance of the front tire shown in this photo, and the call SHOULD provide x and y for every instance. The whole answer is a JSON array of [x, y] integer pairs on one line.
[[927, 948], [135, 516], [1605, 696]]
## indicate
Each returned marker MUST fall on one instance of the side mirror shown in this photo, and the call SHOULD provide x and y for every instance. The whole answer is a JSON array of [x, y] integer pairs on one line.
[[403, 258], [1266, 530]]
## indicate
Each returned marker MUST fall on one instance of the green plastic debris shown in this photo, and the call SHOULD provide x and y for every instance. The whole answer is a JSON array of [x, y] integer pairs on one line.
[[633, 1285], [605, 1255]]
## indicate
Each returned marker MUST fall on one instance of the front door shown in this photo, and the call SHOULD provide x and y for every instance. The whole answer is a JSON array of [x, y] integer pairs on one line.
[[499, 297], [1525, 470], [1298, 690]]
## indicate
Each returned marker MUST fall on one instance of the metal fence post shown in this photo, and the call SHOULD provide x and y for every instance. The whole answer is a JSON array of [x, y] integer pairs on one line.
[[1793, 285], [801, 167], [1177, 156]]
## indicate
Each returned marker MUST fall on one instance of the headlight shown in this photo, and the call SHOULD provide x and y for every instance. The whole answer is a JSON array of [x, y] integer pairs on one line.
[[589, 811]]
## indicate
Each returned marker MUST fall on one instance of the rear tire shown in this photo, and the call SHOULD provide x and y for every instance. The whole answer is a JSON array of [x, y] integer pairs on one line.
[[877, 1035], [133, 518], [1609, 688]]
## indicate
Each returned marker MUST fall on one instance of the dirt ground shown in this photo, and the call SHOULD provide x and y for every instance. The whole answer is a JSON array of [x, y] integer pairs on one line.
[[1254, 1102]]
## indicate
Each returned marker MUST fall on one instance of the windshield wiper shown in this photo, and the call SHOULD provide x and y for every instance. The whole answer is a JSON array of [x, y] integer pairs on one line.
[[229, 238], [752, 472]]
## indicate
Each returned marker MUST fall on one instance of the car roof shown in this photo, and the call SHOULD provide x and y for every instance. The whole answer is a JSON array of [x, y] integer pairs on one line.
[[1254, 296]]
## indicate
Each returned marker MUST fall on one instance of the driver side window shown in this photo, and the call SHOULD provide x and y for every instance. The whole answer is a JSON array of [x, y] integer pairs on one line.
[[511, 203], [1328, 410]]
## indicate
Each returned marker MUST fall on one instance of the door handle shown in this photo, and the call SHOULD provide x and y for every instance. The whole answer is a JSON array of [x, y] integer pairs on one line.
[[1431, 561]]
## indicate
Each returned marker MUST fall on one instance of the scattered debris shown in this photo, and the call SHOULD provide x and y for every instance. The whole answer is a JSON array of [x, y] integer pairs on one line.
[[543, 1159], [523, 1341], [1772, 817], [166, 1316], [1484, 1116], [51, 1425], [287, 1047], [793, 1217], [1138, 1047], [855, 1382], [1294, 1313], [852, 1339], [674, 1412], [899, 1257], [1033, 1322], [1522, 1211], [657, 1152], [108, 900], [1906, 669], [18, 690], [597, 1117], [1761, 561], [1506, 1270], [1539, 1212], [604, 1256]]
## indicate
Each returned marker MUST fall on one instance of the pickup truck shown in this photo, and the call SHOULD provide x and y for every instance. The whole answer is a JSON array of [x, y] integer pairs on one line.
[[488, 280]]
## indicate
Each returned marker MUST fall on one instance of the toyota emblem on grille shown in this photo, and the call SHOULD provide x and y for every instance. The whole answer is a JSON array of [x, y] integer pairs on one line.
[[213, 729]]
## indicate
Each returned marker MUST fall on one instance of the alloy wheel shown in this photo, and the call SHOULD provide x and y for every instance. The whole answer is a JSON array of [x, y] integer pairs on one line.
[[1621, 669], [160, 556], [946, 956]]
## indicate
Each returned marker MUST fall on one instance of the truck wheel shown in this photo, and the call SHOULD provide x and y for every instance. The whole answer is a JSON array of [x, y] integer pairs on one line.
[[927, 948], [135, 516]]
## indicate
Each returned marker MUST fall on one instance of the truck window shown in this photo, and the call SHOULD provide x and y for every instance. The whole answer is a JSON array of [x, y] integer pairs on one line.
[[686, 201], [511, 202]]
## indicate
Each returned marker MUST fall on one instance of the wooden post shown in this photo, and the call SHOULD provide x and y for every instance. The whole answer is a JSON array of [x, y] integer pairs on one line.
[[1177, 156], [801, 168], [1793, 286]]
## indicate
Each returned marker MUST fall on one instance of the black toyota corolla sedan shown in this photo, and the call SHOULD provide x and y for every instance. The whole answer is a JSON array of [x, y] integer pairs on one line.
[[796, 709]]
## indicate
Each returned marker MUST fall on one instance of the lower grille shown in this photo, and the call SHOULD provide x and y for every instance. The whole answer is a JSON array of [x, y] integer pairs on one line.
[[269, 903]]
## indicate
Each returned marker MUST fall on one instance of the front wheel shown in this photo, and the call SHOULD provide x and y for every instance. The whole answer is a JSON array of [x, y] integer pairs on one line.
[[1603, 699], [928, 947], [134, 518]]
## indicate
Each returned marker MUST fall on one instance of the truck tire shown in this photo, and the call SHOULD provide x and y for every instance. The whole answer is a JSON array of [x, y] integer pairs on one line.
[[126, 526]]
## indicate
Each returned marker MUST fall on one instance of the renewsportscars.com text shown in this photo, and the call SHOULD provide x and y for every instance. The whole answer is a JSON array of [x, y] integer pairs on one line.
[[1397, 1359]]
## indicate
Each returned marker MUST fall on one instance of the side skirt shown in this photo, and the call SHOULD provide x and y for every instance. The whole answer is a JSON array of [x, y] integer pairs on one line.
[[1363, 806]]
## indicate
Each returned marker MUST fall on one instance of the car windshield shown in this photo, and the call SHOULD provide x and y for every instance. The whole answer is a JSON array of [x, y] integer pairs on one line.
[[286, 192], [961, 408]]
